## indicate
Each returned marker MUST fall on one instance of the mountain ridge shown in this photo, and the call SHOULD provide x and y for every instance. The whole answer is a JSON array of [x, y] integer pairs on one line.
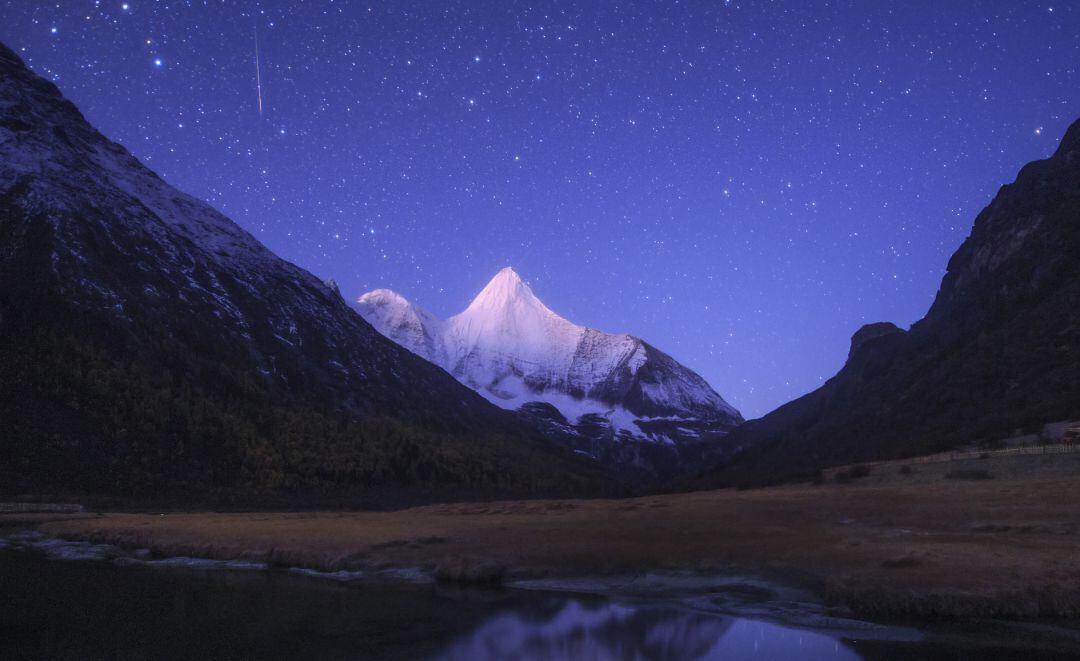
[[509, 346], [150, 345], [998, 350]]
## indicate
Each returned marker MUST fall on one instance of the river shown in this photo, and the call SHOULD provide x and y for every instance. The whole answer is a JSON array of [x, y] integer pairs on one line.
[[69, 609]]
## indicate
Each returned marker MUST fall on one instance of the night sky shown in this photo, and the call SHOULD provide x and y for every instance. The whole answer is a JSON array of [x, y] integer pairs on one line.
[[742, 184]]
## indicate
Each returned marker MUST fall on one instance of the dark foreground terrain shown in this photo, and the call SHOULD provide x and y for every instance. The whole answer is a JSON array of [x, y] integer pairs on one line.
[[990, 538]]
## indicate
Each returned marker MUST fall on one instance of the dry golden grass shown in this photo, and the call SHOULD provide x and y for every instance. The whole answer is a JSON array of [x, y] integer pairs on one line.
[[889, 544]]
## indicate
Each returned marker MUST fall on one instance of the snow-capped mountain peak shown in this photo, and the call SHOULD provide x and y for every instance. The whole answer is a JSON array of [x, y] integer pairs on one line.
[[514, 350], [505, 289], [506, 297], [506, 318], [409, 325]]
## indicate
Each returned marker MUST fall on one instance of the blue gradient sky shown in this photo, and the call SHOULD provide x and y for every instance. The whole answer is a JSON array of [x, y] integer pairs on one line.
[[742, 184]]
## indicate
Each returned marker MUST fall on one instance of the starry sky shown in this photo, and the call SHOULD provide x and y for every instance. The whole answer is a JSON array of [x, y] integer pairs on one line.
[[742, 183]]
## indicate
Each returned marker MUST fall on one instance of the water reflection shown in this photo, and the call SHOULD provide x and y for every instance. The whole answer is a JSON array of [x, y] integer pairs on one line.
[[89, 607], [85, 601], [576, 629]]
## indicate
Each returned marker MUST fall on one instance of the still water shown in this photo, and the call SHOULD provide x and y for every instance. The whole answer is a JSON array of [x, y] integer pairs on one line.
[[52, 609]]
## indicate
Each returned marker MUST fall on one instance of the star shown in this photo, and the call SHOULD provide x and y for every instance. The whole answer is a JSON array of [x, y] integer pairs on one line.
[[657, 136]]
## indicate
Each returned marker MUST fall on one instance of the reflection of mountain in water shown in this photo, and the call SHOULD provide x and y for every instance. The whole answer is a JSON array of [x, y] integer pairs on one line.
[[572, 629]]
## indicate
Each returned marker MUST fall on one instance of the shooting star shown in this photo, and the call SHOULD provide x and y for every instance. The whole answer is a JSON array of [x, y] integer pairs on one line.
[[258, 73]]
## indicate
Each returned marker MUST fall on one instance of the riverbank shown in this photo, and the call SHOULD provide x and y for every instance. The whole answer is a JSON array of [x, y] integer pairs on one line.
[[998, 540]]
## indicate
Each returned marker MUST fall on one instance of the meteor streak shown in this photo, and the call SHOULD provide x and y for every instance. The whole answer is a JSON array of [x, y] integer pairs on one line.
[[258, 74]]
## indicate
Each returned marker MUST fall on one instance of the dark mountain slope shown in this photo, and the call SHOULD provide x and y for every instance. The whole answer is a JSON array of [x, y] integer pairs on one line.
[[149, 346], [999, 349]]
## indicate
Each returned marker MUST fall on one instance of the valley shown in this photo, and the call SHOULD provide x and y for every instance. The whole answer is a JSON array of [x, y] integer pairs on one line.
[[214, 444]]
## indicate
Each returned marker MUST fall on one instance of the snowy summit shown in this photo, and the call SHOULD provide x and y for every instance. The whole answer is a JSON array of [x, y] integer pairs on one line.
[[513, 349]]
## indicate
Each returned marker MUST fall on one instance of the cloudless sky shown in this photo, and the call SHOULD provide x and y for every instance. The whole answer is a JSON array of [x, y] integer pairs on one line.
[[742, 184]]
